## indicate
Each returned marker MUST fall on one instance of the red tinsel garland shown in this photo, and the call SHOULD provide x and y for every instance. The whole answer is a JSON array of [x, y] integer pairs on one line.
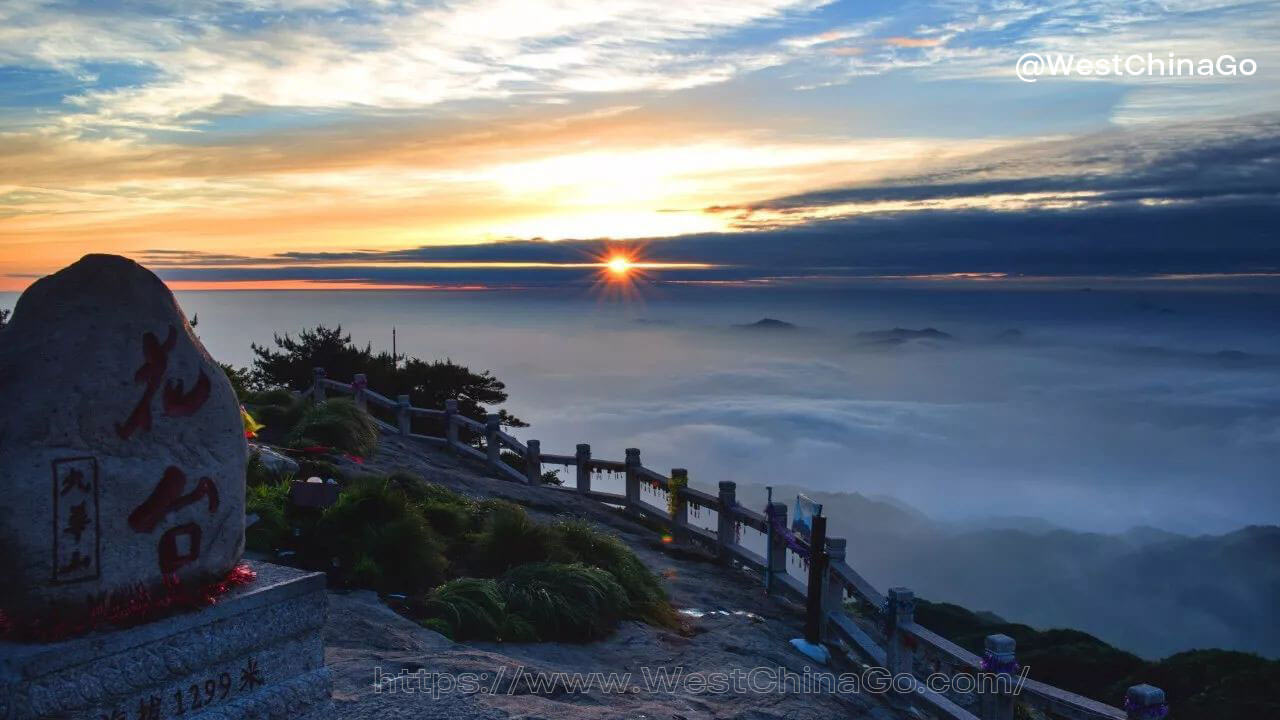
[[126, 608]]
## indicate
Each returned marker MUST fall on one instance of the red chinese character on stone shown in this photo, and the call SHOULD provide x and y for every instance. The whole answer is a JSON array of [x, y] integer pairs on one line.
[[155, 362], [172, 553], [178, 402], [179, 545]]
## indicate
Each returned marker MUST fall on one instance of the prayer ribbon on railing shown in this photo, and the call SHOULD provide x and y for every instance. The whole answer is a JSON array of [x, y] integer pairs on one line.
[[779, 526]]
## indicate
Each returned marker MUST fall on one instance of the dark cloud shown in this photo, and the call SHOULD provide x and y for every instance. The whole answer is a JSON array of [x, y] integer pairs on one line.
[[1224, 236], [1209, 160], [1202, 199]]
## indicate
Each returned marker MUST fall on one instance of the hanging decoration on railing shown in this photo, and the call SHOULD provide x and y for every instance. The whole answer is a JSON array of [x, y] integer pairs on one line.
[[675, 485], [778, 523], [993, 664], [1145, 712]]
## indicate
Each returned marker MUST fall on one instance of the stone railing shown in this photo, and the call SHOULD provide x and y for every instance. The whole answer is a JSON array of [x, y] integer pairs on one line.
[[887, 636]]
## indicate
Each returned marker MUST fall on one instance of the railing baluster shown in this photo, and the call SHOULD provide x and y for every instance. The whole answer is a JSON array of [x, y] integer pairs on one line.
[[451, 423], [832, 587], [402, 414], [995, 685], [584, 468], [726, 523], [1145, 702], [533, 462], [777, 547], [358, 387], [491, 444], [900, 612], [678, 506], [631, 466]]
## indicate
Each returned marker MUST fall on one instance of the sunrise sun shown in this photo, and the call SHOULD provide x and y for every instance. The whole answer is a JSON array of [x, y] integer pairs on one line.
[[619, 266]]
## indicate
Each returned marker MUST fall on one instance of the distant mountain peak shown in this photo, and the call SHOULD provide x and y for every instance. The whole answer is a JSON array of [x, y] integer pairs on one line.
[[768, 324]]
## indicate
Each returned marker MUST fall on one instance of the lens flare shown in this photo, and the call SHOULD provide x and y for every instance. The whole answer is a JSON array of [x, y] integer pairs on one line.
[[619, 265]]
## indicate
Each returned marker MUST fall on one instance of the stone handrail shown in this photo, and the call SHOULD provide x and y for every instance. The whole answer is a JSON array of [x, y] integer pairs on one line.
[[906, 649]]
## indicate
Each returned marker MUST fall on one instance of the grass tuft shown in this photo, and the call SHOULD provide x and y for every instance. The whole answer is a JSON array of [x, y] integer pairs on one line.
[[471, 609], [336, 423], [569, 603], [379, 539]]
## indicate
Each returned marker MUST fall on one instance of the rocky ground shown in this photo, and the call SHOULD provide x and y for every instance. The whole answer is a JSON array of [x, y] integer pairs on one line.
[[735, 627]]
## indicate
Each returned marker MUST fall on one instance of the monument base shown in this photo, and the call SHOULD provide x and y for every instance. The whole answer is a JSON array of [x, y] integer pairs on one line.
[[257, 653]]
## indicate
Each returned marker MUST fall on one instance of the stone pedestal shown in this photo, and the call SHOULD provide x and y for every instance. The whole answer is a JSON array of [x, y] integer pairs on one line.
[[257, 653]]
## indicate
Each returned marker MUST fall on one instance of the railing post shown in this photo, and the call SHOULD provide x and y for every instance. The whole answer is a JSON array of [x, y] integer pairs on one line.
[[832, 586], [451, 423], [1145, 702], [777, 559], [584, 468], [900, 611], [995, 685], [533, 462], [631, 467], [317, 385], [358, 386], [814, 617], [491, 445], [726, 522], [678, 506], [402, 413]]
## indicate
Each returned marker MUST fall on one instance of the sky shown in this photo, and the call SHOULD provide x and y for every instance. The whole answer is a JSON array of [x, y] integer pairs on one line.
[[332, 144]]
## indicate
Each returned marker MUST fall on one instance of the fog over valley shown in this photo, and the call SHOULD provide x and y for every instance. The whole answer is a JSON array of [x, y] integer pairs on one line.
[[1090, 410]]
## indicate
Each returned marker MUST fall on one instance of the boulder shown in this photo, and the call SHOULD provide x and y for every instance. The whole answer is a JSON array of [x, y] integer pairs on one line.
[[274, 462], [122, 451]]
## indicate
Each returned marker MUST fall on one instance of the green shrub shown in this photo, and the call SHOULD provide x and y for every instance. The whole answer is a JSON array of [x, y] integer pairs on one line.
[[447, 519], [471, 609], [255, 473], [570, 603], [277, 410], [274, 396], [509, 538], [592, 547], [240, 378], [438, 625], [309, 467], [375, 523], [269, 500], [420, 491], [339, 424]]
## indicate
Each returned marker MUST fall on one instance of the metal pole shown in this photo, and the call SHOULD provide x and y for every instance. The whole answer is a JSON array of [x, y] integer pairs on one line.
[[817, 570], [768, 540]]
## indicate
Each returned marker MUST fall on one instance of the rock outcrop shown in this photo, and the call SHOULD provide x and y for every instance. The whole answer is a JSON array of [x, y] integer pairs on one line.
[[122, 451]]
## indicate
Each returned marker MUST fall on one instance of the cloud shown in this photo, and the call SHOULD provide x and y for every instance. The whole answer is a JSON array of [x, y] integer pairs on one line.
[[1193, 201], [914, 42], [394, 56]]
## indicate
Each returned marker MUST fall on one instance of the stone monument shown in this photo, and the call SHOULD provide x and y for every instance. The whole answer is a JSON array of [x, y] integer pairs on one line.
[[122, 467]]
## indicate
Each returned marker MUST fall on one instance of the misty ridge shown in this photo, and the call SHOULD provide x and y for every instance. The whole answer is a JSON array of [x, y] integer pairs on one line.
[[1147, 590]]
